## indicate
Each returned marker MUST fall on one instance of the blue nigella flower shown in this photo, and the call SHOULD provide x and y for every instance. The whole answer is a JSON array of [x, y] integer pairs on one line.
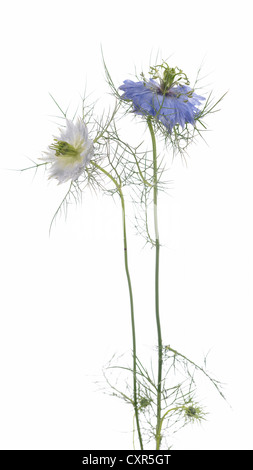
[[168, 101]]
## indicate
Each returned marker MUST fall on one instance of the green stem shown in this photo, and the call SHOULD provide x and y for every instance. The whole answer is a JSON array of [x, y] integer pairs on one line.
[[164, 416], [157, 257], [118, 186]]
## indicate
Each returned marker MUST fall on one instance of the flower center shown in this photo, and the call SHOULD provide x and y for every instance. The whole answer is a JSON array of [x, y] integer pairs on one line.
[[64, 149], [168, 77]]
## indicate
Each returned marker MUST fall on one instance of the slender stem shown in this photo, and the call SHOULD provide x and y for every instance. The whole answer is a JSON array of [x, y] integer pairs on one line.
[[157, 257], [118, 186], [165, 414]]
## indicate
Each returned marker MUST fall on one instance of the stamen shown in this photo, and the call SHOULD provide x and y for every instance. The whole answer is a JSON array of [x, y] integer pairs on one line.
[[64, 149], [168, 76]]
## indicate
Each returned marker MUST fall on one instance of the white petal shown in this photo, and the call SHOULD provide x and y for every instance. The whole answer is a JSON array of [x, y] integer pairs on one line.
[[66, 168]]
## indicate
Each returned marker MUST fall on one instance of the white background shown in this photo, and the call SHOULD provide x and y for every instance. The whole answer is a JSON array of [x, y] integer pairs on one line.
[[64, 302]]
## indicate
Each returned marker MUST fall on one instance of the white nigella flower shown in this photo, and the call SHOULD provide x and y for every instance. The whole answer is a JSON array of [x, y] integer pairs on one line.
[[70, 152]]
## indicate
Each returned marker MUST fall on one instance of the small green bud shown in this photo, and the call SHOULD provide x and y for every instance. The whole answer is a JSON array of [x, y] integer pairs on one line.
[[191, 412], [144, 402]]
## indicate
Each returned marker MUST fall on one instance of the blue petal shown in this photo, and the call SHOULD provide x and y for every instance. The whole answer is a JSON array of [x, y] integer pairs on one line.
[[178, 106]]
